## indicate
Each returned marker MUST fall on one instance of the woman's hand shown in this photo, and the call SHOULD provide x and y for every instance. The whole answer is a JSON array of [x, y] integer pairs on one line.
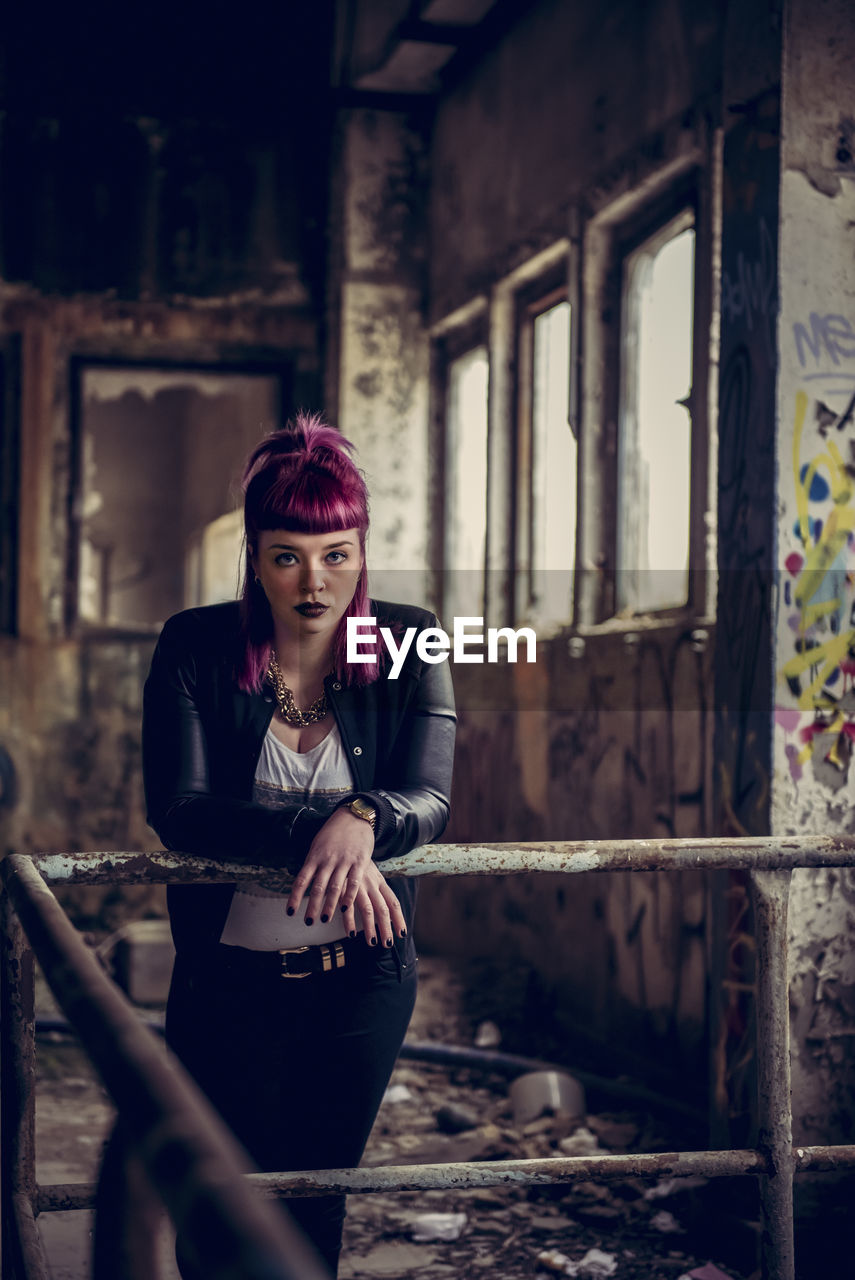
[[339, 869]]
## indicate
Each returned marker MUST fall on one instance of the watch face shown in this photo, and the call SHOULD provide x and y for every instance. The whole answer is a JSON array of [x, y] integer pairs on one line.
[[362, 809]]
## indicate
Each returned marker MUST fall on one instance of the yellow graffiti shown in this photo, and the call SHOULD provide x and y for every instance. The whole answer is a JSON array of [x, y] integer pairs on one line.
[[823, 658], [830, 655]]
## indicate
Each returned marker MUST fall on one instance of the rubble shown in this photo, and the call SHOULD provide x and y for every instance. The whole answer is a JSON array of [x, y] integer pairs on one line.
[[581, 1143], [501, 1231], [454, 1118], [595, 1263], [397, 1093], [665, 1222], [438, 1226], [488, 1036]]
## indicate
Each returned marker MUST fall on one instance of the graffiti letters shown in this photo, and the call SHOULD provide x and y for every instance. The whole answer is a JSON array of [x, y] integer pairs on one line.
[[830, 336], [750, 292], [820, 673]]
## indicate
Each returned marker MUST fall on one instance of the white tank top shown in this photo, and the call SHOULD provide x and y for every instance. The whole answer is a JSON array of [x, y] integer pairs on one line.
[[320, 777]]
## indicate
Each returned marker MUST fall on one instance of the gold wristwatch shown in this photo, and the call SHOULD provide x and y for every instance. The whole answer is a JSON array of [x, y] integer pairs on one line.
[[363, 810]]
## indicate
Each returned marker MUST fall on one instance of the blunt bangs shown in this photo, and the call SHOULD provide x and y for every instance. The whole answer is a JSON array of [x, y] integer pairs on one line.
[[312, 501]]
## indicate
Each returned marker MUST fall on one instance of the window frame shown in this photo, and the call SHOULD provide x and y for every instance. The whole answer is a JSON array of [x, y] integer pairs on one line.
[[532, 300], [448, 346], [627, 235], [277, 366]]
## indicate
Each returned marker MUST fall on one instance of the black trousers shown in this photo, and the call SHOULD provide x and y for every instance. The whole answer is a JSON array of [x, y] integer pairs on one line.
[[297, 1067]]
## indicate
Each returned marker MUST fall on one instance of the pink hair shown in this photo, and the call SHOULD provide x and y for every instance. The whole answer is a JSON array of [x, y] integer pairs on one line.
[[303, 479]]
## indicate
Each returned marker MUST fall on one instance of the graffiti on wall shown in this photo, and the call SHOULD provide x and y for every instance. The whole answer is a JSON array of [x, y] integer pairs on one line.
[[817, 711]]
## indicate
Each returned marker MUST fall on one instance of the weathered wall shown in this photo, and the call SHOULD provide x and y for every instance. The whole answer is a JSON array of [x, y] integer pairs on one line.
[[613, 742], [378, 372], [576, 95], [815, 655], [161, 205]]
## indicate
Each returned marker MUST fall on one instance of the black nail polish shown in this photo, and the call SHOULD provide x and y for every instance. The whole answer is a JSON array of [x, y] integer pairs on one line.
[[388, 942], [309, 920], [344, 908], [325, 919], [352, 933], [290, 911], [402, 934], [374, 942]]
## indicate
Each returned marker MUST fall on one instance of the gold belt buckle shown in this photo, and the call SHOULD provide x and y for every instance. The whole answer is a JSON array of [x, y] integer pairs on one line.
[[332, 957], [293, 951]]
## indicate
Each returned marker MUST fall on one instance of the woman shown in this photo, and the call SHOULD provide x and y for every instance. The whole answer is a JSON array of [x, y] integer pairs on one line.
[[263, 745]]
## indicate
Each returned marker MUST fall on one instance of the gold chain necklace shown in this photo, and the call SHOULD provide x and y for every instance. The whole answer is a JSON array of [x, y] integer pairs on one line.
[[291, 713]]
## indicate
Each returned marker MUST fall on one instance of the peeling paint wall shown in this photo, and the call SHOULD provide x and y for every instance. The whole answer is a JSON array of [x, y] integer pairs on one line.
[[815, 652]]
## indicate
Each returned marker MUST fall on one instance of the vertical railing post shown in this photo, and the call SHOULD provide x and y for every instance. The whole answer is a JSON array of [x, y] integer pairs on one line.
[[770, 894], [22, 1251]]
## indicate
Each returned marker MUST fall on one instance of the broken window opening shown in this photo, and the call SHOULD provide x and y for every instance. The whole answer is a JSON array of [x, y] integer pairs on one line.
[[655, 432], [157, 527]]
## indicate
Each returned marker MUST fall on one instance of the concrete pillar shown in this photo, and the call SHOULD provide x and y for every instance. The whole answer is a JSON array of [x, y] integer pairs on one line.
[[379, 354], [813, 777]]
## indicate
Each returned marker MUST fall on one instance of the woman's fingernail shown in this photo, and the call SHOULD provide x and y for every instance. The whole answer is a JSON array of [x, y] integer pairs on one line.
[[325, 919], [374, 942], [352, 933], [343, 907], [388, 942], [309, 920], [402, 934], [289, 911]]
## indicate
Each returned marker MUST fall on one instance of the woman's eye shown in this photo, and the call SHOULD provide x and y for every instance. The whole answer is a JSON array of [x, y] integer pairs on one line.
[[285, 558], [337, 557]]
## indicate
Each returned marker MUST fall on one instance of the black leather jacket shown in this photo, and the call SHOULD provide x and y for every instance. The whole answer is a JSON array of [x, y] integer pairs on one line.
[[202, 739]]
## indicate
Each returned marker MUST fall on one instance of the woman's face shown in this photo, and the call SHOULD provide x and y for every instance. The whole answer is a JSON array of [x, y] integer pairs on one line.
[[308, 578]]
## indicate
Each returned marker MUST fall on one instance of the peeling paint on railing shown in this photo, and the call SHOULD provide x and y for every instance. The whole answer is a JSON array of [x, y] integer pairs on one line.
[[568, 857]]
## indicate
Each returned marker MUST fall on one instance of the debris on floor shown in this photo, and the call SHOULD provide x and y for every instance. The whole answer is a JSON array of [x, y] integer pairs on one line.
[[440, 1114], [438, 1226]]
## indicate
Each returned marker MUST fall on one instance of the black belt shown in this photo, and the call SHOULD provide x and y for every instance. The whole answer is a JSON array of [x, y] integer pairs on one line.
[[298, 962]]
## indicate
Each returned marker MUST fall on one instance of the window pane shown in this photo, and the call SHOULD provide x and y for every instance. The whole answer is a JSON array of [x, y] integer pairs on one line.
[[655, 445], [553, 470], [162, 451], [466, 472]]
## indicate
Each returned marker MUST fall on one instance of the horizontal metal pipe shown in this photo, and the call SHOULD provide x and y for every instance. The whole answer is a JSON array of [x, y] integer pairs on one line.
[[512, 1064], [511, 1173], [483, 1173], [824, 1159], [567, 857], [708, 1164], [189, 1155]]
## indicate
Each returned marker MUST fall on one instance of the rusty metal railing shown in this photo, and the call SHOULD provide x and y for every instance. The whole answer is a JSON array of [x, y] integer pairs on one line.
[[769, 862], [183, 1148]]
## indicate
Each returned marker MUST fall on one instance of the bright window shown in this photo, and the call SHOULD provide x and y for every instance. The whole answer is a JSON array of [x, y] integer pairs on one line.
[[655, 439], [466, 482], [553, 470]]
